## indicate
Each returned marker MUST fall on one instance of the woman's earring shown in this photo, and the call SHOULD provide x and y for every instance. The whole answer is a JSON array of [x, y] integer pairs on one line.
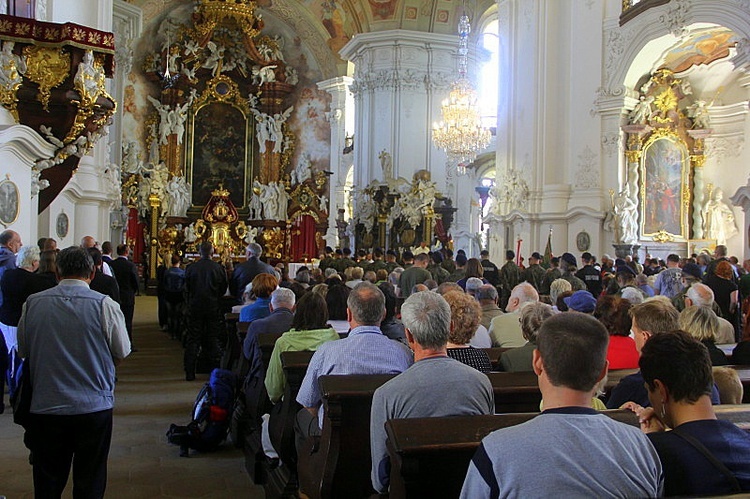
[[663, 411]]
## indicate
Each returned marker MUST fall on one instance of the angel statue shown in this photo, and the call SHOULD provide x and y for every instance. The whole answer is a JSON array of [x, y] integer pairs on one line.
[[303, 170], [626, 218], [642, 111], [699, 112], [179, 196]]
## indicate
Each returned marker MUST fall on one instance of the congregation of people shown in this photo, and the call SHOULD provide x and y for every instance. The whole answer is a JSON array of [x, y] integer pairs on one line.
[[429, 319]]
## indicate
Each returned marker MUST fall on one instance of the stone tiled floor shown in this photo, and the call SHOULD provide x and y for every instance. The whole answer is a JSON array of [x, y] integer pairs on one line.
[[150, 395]]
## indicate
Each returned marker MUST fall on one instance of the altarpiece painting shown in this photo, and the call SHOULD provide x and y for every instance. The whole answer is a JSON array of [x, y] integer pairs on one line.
[[664, 183]]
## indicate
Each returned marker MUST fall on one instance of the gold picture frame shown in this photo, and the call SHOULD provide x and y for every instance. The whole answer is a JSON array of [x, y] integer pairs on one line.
[[665, 186], [219, 145]]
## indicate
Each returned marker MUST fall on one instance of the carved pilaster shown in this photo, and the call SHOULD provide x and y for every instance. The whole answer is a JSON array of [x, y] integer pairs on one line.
[[635, 135], [155, 202], [697, 160]]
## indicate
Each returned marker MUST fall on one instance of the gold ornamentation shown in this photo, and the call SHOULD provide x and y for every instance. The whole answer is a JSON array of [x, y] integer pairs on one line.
[[214, 12], [633, 156], [273, 242], [220, 192], [154, 200], [286, 154], [663, 237], [8, 97], [320, 179], [200, 228], [90, 83], [47, 67], [698, 160], [241, 230], [634, 141], [666, 101]]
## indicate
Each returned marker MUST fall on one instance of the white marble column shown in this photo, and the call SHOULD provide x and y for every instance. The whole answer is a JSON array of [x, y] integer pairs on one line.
[[400, 79], [20, 149], [341, 118]]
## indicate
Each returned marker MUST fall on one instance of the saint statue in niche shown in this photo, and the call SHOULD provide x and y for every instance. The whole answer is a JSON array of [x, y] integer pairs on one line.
[[718, 219]]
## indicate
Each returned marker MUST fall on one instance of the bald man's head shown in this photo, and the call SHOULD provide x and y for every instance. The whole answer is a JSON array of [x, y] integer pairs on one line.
[[88, 242]]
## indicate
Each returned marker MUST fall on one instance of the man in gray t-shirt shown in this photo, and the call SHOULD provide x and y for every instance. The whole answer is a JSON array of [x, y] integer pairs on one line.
[[434, 386], [583, 453], [669, 282]]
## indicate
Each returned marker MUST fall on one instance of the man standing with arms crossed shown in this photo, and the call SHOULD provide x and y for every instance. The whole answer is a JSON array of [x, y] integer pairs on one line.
[[72, 338]]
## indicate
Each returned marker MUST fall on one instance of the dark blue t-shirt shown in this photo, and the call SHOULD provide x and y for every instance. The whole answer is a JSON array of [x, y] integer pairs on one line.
[[632, 389], [687, 472]]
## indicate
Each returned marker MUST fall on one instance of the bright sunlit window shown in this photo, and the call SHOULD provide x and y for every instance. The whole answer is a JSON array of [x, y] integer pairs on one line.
[[488, 76]]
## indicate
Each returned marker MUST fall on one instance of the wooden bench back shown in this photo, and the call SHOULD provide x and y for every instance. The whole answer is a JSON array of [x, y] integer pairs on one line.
[[430, 456], [494, 354], [338, 463]]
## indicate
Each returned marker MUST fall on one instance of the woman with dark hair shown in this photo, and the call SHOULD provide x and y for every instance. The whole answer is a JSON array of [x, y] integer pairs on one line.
[[702, 455], [391, 326], [48, 266], [309, 331], [614, 313], [725, 291], [465, 315], [473, 269], [263, 285], [336, 302]]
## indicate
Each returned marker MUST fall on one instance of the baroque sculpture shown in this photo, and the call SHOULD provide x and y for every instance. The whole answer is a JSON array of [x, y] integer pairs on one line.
[[718, 219]]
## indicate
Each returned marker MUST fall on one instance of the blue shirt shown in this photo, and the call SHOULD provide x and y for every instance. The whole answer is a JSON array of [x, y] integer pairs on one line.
[[256, 310], [365, 351], [687, 472]]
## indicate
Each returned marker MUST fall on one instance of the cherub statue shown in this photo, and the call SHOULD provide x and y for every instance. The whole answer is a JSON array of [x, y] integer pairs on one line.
[[699, 112]]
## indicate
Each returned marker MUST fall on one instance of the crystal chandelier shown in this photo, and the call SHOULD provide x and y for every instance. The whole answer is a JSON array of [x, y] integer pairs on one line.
[[461, 134]]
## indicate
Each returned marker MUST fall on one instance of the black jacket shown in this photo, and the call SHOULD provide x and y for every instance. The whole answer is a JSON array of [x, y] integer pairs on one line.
[[206, 283], [245, 273]]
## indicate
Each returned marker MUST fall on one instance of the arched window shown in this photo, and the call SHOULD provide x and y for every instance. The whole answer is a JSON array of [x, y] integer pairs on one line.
[[489, 74]]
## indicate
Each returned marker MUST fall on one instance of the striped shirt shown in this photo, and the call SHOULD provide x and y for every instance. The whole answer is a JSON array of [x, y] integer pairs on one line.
[[365, 351]]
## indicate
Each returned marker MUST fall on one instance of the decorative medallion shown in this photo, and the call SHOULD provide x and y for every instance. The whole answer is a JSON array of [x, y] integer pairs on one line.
[[61, 225], [8, 202], [583, 241]]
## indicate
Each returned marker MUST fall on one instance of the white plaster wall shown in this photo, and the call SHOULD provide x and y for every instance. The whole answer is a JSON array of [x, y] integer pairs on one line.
[[92, 13], [20, 148]]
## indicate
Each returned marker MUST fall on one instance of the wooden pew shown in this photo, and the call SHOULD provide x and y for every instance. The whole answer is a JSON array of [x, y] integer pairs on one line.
[[337, 464], [282, 478], [256, 404], [430, 456], [328, 468], [233, 349], [494, 354]]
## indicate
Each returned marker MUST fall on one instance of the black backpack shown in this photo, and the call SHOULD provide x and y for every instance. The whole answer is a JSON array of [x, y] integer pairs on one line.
[[211, 415]]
